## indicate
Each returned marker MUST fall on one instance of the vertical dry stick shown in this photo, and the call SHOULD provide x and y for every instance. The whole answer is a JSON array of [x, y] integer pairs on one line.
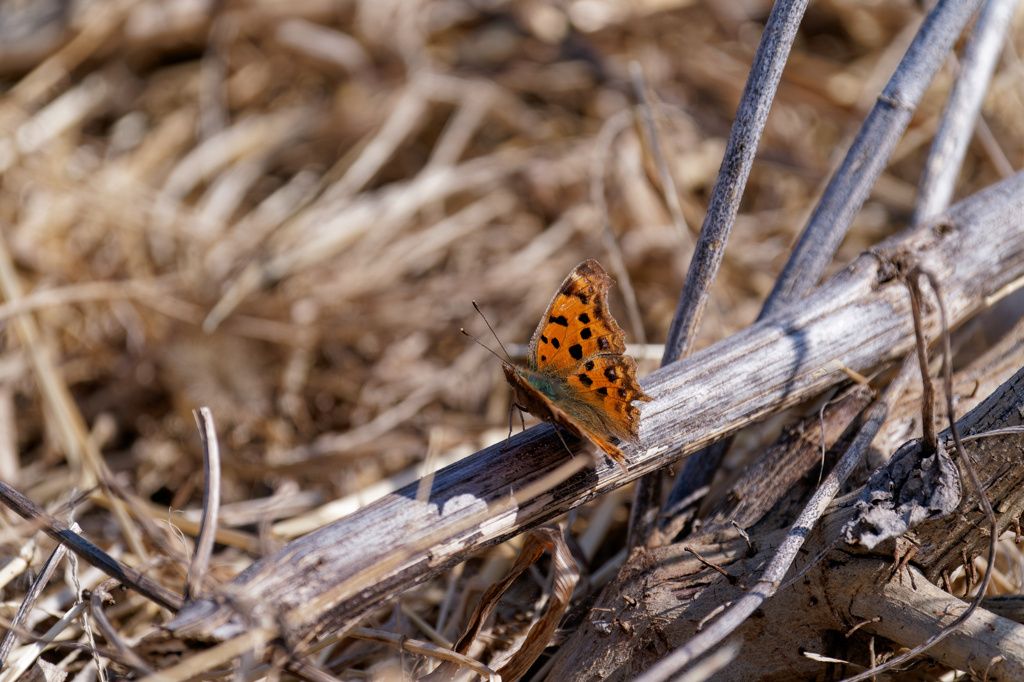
[[10, 464], [751, 115], [434, 442], [211, 503], [929, 440], [758, 93], [644, 512], [90, 636], [963, 108], [848, 189], [68, 426], [643, 515]]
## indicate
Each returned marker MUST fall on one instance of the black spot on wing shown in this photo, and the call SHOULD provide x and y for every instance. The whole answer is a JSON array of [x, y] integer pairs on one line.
[[623, 393], [611, 374], [589, 366], [558, 320], [554, 342], [584, 318], [603, 343], [584, 298], [576, 351], [543, 338], [543, 358], [603, 390], [585, 380], [585, 334]]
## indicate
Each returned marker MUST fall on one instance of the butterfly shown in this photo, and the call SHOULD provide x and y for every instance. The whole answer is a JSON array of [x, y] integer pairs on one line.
[[577, 373]]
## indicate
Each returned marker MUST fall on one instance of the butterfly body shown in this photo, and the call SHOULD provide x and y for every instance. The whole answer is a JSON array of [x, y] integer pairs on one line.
[[578, 376]]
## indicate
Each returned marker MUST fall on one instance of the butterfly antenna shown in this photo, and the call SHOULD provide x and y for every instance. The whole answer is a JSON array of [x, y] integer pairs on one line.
[[482, 345], [492, 332]]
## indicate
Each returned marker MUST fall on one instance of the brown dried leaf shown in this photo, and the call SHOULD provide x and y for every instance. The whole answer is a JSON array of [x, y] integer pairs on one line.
[[566, 576]]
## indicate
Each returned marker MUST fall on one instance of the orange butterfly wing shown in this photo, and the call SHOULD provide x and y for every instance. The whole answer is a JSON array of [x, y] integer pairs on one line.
[[577, 324], [578, 375]]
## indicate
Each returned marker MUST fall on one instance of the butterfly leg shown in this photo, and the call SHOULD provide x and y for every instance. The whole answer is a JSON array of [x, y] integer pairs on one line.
[[559, 432], [512, 407]]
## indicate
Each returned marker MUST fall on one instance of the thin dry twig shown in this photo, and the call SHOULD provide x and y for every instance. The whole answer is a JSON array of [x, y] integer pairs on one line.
[[18, 668], [195, 664], [965, 461], [89, 552], [211, 504], [643, 514], [100, 595], [421, 648], [668, 184], [29, 601], [929, 441]]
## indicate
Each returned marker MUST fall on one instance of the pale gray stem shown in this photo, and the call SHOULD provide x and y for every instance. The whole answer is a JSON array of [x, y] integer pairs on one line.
[[963, 108], [756, 102]]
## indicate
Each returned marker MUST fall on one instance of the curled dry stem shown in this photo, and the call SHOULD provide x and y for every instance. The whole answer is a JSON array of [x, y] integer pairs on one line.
[[947, 377]]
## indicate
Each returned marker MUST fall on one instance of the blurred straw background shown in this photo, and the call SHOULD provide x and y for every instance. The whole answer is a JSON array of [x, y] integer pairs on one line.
[[283, 210]]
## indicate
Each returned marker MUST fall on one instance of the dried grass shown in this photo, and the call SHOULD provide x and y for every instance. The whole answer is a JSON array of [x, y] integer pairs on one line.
[[283, 210]]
